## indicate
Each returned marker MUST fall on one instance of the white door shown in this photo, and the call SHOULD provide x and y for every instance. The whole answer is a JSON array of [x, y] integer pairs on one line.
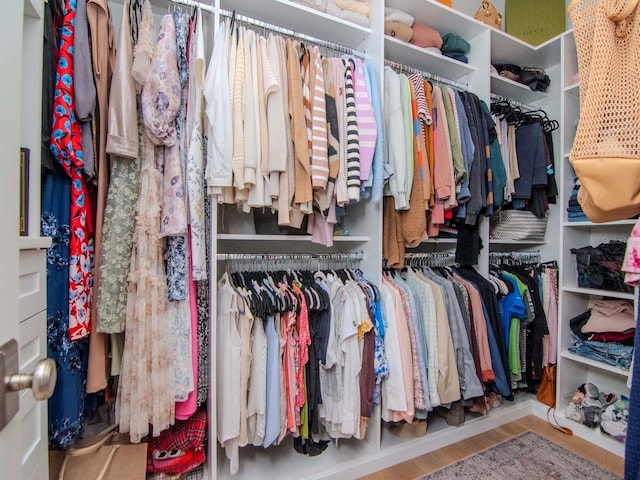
[[11, 61], [23, 440]]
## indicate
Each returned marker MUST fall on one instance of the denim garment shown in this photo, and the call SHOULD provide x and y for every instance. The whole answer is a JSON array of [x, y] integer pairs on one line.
[[613, 354]]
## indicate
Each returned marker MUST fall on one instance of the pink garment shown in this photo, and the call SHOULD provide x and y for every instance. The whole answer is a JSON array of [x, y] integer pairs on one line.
[[289, 363], [304, 341], [367, 128], [631, 264], [186, 409], [405, 352]]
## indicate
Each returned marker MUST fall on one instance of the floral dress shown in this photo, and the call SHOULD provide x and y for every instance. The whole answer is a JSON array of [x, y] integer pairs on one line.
[[66, 405], [146, 388]]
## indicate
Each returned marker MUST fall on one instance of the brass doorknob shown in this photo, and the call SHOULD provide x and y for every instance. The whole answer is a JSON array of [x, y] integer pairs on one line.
[[42, 381]]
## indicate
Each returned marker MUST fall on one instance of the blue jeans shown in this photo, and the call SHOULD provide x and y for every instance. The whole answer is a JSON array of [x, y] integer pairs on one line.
[[609, 353]]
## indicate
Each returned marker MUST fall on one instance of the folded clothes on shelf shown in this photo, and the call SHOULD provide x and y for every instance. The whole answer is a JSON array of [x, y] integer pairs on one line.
[[614, 354]]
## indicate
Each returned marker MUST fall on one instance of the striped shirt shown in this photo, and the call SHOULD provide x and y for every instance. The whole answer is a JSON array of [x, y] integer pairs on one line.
[[353, 138], [367, 128]]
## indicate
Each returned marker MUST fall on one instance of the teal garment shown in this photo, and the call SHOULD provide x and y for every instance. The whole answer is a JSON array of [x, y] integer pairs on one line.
[[498, 172], [407, 115]]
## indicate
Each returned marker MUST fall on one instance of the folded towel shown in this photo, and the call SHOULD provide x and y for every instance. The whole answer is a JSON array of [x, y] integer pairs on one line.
[[454, 44], [320, 5], [398, 30], [395, 15], [347, 15], [425, 37], [361, 8]]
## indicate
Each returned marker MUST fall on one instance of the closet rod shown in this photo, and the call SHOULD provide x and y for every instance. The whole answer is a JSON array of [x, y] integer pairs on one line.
[[515, 103], [435, 259], [353, 256], [427, 75], [274, 28], [526, 257]]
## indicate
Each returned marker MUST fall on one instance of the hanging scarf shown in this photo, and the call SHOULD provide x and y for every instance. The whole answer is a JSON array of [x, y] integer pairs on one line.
[[66, 146]]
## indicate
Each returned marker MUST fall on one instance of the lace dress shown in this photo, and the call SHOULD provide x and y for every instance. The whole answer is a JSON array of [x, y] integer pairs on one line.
[[146, 390]]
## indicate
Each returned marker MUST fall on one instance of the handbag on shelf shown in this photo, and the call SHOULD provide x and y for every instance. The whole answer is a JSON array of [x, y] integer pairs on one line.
[[606, 149], [489, 14]]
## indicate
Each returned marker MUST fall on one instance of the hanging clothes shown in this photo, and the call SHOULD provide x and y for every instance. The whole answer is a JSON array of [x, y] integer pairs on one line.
[[66, 146], [147, 399], [298, 349], [66, 405]]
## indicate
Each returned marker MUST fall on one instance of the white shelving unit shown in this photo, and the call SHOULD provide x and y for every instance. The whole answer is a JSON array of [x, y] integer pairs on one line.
[[380, 448], [573, 369]]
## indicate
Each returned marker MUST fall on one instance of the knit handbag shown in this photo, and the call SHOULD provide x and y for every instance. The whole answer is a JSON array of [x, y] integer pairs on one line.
[[489, 14], [606, 149]]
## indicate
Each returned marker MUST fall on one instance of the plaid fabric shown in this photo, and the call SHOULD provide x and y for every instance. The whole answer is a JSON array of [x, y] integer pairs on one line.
[[184, 435]]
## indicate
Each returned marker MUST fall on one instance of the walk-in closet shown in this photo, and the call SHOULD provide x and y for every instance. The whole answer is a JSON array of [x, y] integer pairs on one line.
[[305, 239]]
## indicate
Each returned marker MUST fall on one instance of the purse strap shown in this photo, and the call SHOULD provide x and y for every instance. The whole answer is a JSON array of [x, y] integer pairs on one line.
[[103, 437], [552, 411], [616, 12]]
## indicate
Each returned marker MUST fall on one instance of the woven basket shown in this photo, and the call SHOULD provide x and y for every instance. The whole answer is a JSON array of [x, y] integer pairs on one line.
[[519, 225]]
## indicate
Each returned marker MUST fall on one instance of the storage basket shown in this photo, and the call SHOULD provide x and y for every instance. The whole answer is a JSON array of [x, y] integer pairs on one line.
[[521, 225]]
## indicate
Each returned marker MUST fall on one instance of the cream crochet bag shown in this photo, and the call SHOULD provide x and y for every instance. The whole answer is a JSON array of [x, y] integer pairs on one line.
[[606, 149]]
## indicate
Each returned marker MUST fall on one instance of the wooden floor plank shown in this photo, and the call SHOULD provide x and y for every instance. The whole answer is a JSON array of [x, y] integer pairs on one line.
[[432, 461]]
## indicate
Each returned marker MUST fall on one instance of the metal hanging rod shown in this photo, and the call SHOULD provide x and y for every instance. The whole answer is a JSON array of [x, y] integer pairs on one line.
[[274, 28], [432, 259], [429, 76], [515, 103], [295, 261], [352, 256], [193, 3], [523, 257]]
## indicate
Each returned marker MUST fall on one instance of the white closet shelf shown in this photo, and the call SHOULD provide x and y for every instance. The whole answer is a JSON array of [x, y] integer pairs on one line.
[[508, 49], [436, 240], [593, 435], [512, 89], [594, 363], [286, 238], [425, 60], [631, 222], [440, 17], [302, 19], [33, 8], [515, 242], [599, 293], [573, 89]]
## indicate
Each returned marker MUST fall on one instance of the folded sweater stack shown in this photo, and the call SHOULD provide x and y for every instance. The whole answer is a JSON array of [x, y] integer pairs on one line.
[[403, 26], [354, 11]]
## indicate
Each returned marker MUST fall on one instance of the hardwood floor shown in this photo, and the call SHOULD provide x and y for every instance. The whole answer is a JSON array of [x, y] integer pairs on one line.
[[430, 462]]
